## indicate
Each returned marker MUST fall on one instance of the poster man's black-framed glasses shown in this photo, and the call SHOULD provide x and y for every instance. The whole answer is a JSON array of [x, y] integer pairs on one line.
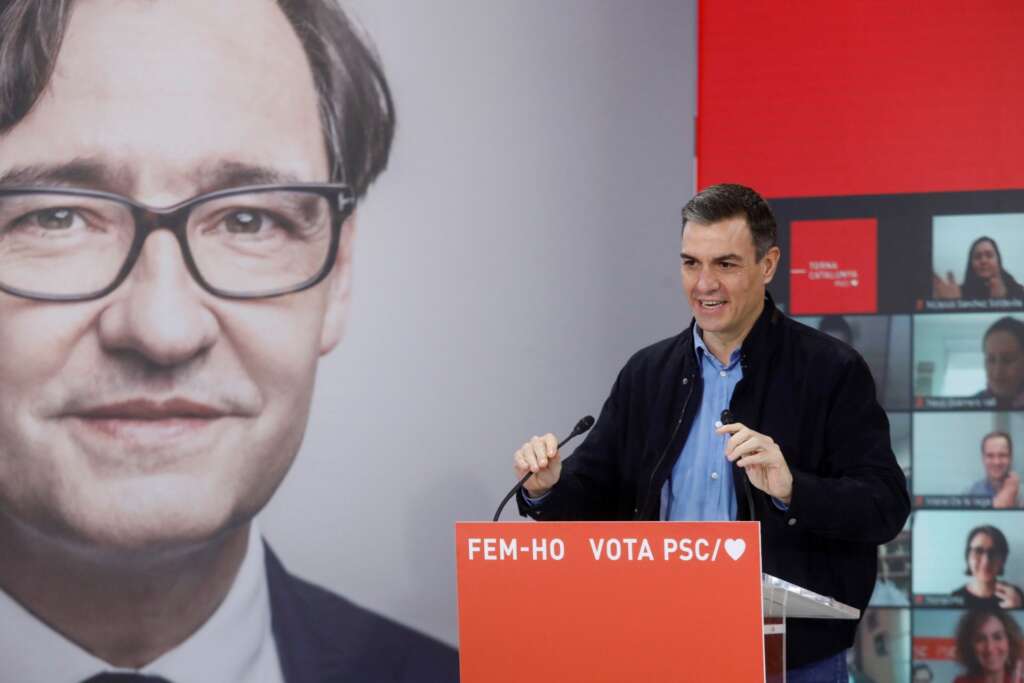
[[251, 242]]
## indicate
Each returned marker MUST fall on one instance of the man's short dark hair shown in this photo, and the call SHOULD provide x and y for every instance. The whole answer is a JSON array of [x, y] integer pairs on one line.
[[993, 435], [356, 110], [728, 200], [1006, 324]]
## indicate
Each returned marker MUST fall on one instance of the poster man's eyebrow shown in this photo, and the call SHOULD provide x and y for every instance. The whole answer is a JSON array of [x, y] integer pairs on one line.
[[78, 173], [223, 175], [95, 174]]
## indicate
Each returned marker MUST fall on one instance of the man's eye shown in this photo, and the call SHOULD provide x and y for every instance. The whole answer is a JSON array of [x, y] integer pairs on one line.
[[727, 265], [244, 222], [54, 219]]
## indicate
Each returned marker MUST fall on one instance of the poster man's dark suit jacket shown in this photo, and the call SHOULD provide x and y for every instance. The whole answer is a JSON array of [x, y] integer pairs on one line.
[[323, 638]]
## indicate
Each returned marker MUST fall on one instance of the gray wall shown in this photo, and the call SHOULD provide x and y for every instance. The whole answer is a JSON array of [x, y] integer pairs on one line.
[[523, 242]]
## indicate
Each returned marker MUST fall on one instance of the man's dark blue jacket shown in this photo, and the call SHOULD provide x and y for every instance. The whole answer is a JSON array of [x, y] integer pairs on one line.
[[810, 393], [323, 638]]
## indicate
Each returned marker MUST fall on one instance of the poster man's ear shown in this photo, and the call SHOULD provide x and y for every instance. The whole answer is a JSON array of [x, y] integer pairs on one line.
[[339, 289]]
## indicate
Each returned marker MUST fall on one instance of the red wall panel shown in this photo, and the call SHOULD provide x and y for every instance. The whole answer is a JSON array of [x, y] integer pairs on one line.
[[868, 97]]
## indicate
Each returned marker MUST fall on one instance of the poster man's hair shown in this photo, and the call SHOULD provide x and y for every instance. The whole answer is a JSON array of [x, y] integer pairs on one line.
[[356, 108]]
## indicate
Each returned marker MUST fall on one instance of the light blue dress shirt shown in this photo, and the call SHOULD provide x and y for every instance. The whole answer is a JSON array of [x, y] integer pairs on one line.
[[984, 487], [701, 485]]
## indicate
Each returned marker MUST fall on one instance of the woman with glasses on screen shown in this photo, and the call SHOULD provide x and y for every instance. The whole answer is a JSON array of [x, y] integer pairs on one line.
[[989, 645], [986, 554], [984, 277]]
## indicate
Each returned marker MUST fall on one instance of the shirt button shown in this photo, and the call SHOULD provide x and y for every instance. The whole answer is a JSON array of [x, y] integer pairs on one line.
[[792, 521], [722, 373], [714, 475]]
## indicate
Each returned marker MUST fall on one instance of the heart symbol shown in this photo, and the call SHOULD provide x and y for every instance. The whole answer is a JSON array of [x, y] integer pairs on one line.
[[735, 547]]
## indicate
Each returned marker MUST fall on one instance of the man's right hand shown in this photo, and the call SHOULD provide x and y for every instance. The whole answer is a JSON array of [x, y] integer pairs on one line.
[[1007, 496], [539, 455]]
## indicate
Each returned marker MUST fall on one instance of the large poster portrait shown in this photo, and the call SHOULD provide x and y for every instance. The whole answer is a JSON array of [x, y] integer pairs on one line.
[[282, 284]]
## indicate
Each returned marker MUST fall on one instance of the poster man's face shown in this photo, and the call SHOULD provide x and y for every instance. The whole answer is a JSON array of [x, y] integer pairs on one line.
[[160, 414]]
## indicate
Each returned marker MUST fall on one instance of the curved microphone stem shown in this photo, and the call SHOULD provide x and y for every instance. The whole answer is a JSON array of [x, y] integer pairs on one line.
[[581, 426]]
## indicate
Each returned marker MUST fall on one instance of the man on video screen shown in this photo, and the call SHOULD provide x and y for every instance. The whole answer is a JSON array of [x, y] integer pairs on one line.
[[1001, 482], [177, 185]]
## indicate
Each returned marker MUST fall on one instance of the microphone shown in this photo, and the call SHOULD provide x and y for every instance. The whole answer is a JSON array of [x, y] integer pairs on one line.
[[583, 425], [728, 418]]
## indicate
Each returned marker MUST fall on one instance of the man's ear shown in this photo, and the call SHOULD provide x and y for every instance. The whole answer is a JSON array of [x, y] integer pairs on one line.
[[339, 289], [770, 263]]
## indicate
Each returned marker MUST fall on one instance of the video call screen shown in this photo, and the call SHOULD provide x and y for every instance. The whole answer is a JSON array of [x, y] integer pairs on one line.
[[927, 288]]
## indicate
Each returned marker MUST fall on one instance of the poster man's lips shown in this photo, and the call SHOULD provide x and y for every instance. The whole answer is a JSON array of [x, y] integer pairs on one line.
[[148, 409]]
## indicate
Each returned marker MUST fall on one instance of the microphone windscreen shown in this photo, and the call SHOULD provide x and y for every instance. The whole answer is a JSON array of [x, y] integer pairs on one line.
[[584, 424]]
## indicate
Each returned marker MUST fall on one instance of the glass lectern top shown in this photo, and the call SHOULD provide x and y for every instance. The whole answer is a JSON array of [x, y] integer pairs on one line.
[[784, 599]]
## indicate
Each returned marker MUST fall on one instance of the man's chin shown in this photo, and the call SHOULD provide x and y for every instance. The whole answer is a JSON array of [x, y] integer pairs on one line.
[[121, 447], [710, 323], [151, 521]]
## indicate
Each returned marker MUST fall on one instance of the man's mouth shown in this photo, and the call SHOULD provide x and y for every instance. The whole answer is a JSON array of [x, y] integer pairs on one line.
[[147, 409], [147, 420], [712, 303]]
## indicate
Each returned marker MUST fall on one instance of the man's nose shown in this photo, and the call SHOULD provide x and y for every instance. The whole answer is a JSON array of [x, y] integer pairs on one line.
[[158, 312], [706, 281]]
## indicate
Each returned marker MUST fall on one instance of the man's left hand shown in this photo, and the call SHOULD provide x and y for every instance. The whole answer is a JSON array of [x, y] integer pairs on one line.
[[761, 458]]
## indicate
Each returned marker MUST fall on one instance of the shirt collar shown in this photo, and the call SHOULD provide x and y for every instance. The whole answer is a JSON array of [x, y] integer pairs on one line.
[[234, 644], [702, 351]]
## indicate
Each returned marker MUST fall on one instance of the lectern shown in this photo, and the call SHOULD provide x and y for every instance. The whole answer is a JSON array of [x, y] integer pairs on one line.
[[623, 601], [781, 600]]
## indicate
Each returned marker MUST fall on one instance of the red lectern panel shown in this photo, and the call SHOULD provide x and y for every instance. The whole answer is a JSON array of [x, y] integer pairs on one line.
[[610, 601]]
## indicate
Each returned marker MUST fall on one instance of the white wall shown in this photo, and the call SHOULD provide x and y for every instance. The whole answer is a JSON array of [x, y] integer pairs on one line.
[[523, 242]]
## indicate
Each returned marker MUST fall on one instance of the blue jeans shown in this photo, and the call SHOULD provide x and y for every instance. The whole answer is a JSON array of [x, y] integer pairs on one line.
[[831, 670]]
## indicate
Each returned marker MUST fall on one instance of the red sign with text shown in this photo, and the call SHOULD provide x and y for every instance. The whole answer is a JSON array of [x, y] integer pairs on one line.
[[834, 266], [609, 601], [934, 648]]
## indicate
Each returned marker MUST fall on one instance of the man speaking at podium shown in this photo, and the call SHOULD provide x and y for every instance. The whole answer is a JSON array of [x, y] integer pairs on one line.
[[746, 414], [177, 182]]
